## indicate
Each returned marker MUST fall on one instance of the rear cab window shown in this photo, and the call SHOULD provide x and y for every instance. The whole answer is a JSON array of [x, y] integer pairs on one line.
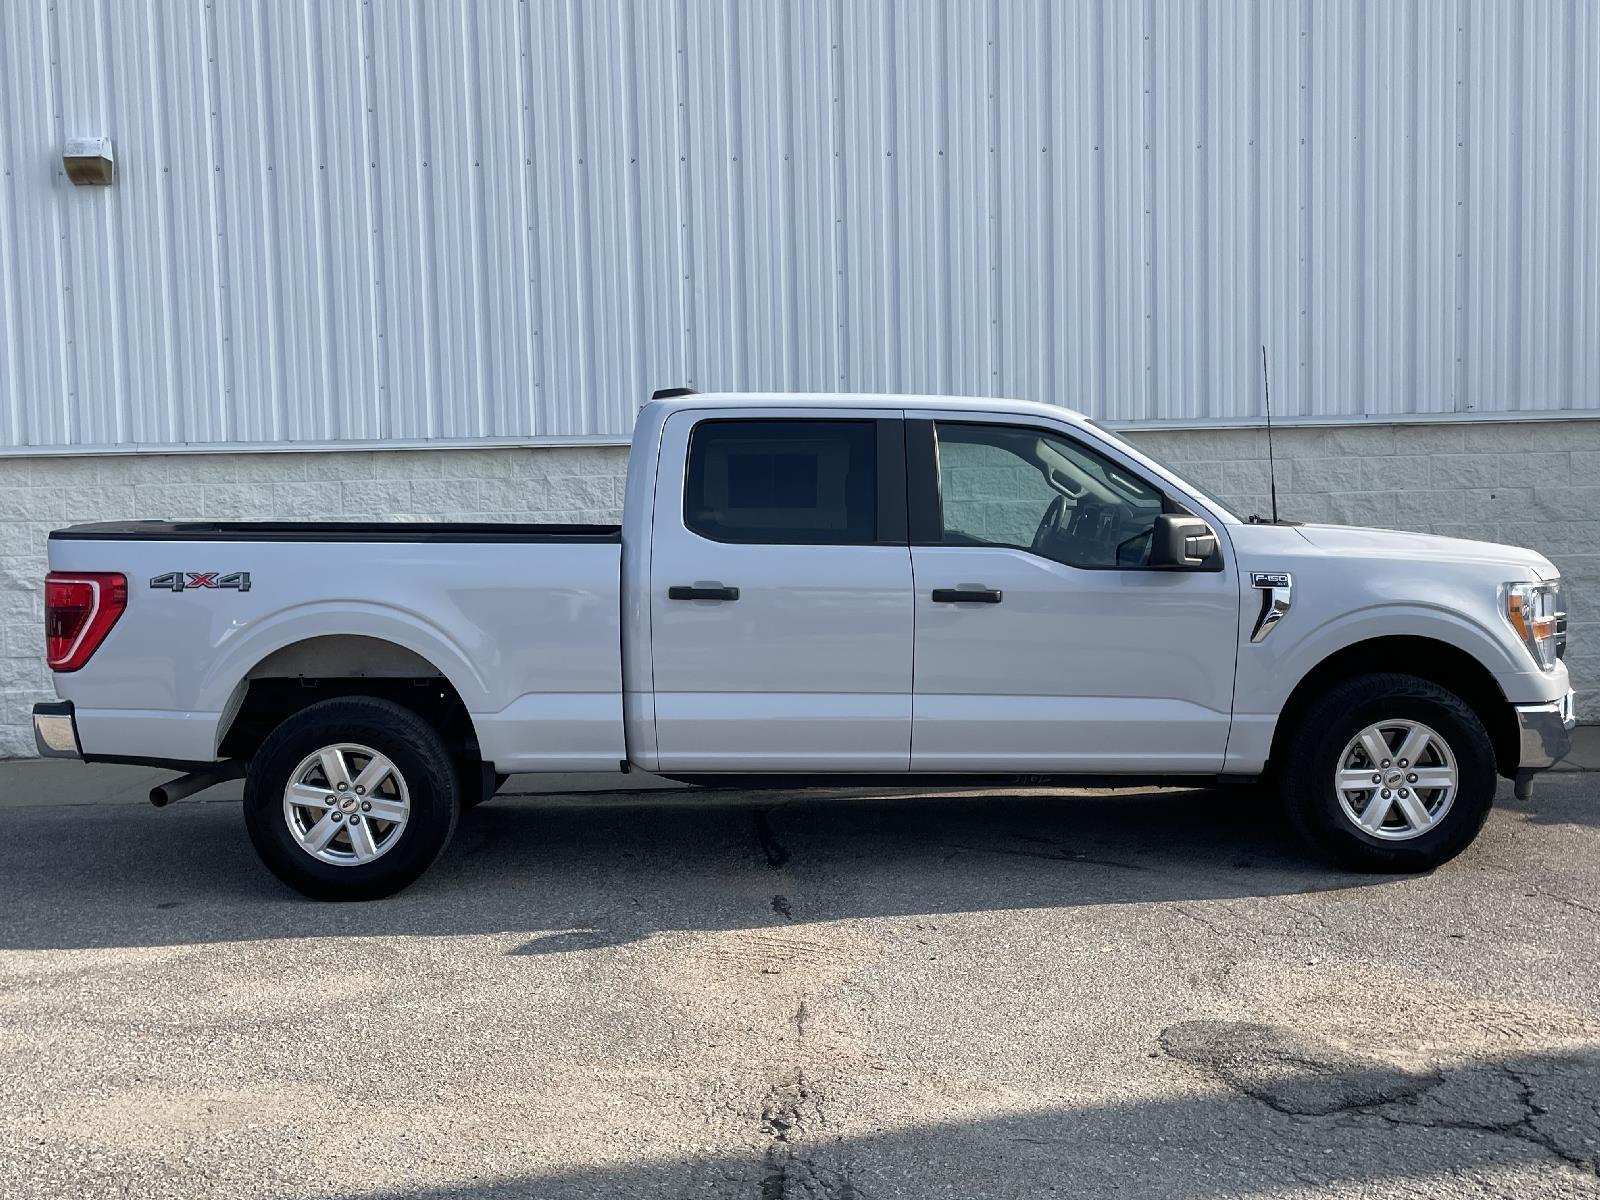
[[784, 481]]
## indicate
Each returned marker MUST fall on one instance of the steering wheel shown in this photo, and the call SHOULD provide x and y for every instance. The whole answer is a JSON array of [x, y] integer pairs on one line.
[[1048, 523]]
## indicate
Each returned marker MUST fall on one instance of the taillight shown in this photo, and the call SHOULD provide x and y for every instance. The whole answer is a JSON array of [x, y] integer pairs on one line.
[[79, 610]]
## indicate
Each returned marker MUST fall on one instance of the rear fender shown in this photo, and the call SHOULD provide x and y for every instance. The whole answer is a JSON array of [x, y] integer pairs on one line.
[[237, 657]]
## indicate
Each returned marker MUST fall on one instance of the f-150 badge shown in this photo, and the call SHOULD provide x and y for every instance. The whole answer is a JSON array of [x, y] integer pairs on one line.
[[1277, 594], [187, 581]]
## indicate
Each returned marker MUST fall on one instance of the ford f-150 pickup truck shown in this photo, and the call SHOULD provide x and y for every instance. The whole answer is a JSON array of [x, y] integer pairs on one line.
[[814, 590]]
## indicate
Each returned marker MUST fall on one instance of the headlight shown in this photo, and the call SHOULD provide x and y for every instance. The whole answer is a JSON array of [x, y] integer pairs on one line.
[[1534, 611]]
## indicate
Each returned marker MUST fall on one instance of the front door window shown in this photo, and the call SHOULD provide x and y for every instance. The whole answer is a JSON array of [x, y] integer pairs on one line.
[[1010, 485]]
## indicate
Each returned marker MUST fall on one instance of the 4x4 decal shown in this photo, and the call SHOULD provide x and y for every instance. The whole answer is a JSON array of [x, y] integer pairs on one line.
[[183, 581]]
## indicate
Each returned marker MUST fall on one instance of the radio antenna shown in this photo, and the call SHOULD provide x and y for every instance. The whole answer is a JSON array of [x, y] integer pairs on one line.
[[1272, 466]]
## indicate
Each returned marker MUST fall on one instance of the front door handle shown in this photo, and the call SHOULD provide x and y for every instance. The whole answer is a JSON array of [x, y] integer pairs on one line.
[[966, 595], [718, 592]]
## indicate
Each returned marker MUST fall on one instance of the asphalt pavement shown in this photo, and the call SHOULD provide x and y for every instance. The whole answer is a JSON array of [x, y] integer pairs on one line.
[[603, 993]]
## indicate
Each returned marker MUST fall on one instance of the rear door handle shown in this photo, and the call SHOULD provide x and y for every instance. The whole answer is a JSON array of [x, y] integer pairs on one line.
[[682, 592], [966, 595]]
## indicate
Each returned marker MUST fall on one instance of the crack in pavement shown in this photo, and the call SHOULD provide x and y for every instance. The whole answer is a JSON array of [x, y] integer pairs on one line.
[[1301, 1076], [776, 853], [1287, 1071], [1524, 1127], [1536, 890], [1183, 910], [1054, 856], [792, 1115], [792, 1111], [1569, 902]]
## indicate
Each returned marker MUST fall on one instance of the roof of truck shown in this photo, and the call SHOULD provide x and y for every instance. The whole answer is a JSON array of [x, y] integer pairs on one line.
[[993, 404]]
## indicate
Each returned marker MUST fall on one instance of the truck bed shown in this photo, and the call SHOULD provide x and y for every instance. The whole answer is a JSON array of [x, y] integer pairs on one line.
[[334, 531], [522, 620]]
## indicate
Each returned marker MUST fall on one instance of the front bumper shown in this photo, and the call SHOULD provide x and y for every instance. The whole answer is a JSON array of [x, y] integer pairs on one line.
[[55, 730], [1545, 732]]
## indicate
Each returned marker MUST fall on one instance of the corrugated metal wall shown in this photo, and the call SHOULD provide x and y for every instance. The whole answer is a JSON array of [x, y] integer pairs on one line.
[[340, 220]]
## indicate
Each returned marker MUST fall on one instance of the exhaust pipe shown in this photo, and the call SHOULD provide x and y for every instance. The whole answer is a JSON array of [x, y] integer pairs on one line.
[[195, 781]]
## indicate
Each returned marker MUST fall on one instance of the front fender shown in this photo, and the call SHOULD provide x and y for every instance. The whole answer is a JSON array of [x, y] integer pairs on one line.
[[1267, 680], [1270, 670]]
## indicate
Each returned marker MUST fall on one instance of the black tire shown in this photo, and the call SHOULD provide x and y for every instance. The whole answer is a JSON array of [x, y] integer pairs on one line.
[[418, 754], [1310, 756]]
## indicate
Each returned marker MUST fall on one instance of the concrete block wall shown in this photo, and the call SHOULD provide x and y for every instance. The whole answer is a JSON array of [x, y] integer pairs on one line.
[[1533, 483]]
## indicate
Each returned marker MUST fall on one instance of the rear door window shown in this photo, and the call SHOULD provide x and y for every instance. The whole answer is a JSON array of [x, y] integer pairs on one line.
[[794, 482]]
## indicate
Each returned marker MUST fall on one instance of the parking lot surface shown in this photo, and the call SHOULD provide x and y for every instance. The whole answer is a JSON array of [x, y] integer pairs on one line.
[[670, 993]]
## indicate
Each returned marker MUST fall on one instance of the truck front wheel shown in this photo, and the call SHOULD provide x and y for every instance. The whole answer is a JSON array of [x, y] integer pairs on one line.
[[351, 798], [1388, 772]]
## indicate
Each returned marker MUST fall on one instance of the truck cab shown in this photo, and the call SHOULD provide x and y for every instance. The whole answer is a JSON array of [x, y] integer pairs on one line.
[[940, 586]]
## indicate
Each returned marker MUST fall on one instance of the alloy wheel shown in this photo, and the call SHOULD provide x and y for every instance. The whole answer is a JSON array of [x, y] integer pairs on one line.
[[1396, 779], [346, 805]]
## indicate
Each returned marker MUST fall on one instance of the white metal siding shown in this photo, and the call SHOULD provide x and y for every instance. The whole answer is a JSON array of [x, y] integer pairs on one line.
[[351, 221]]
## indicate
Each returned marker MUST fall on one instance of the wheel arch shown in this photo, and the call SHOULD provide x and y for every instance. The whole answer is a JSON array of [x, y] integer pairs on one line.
[[300, 673], [244, 650], [1437, 661]]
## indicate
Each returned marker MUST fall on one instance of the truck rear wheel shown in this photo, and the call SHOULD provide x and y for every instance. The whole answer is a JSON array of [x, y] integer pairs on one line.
[[1388, 772], [351, 798]]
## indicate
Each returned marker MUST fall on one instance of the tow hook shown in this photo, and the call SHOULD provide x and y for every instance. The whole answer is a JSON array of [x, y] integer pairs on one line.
[[195, 781]]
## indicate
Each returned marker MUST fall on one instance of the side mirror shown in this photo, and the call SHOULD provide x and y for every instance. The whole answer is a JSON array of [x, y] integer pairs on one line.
[[1183, 543]]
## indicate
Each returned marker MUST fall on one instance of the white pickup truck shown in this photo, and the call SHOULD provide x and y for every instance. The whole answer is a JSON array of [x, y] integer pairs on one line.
[[814, 590]]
